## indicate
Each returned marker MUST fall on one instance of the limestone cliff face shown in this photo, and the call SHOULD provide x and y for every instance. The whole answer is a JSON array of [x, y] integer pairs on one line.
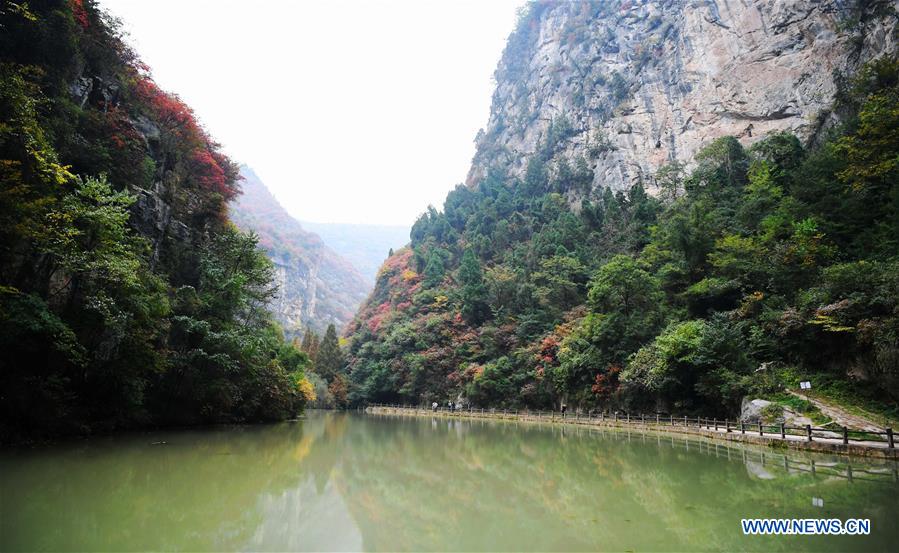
[[630, 86], [316, 286]]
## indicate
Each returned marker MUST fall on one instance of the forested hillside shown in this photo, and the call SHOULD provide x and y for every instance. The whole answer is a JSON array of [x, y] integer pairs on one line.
[[316, 286], [756, 262], [126, 296]]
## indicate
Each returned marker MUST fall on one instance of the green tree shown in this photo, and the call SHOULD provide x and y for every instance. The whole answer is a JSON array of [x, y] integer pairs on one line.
[[434, 269], [329, 361], [474, 292]]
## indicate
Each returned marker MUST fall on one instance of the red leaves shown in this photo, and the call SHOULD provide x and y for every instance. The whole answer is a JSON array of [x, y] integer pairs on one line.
[[168, 110], [207, 170], [605, 384], [210, 169], [80, 13]]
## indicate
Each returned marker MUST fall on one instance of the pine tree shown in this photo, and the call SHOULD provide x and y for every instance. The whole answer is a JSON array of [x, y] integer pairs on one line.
[[313, 348], [309, 345], [306, 345], [329, 360], [474, 292], [434, 270]]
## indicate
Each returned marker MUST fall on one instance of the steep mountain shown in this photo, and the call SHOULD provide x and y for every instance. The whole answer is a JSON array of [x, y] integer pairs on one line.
[[629, 86], [316, 287], [126, 296], [674, 205], [365, 246]]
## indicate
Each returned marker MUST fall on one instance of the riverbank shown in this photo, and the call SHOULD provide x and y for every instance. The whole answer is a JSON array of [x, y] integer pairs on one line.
[[721, 432]]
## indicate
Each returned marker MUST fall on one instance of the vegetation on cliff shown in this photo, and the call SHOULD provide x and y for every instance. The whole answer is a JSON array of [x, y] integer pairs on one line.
[[760, 266], [317, 286], [126, 296]]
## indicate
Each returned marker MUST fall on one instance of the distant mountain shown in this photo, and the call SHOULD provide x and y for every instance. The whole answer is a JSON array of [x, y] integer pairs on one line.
[[317, 286], [365, 246]]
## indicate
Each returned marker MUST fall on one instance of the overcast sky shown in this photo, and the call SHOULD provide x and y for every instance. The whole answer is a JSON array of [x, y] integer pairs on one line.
[[349, 111]]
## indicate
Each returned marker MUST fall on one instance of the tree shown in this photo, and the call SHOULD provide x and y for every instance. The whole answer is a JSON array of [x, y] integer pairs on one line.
[[560, 282], [338, 389], [329, 360], [310, 344], [434, 269], [621, 286], [474, 293]]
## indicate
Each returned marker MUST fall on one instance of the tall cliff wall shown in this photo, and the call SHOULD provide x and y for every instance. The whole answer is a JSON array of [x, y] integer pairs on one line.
[[634, 85], [316, 286]]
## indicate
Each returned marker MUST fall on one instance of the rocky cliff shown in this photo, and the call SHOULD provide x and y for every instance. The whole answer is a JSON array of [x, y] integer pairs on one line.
[[630, 85], [554, 278], [317, 287]]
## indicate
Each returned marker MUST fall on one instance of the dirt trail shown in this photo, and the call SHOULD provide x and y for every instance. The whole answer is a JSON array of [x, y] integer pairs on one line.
[[841, 416]]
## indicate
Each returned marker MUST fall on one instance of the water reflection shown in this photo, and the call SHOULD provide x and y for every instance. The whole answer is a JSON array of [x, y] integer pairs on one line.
[[350, 482]]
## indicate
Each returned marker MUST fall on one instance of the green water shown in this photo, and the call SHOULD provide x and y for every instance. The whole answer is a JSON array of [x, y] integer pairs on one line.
[[356, 482]]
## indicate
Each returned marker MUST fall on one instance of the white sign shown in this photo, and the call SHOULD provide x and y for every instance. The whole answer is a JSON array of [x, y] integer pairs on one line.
[[805, 385]]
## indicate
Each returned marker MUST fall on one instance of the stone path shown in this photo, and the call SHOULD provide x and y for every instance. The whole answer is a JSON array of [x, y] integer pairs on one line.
[[840, 415]]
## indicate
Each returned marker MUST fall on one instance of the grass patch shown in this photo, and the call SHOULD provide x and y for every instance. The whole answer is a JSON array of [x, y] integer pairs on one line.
[[801, 406], [858, 398]]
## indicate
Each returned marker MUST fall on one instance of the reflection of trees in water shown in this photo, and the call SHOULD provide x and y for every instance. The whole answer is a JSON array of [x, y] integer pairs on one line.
[[197, 491], [420, 484]]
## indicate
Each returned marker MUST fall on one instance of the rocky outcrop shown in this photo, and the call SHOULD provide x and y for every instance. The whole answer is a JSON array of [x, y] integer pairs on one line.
[[316, 287], [630, 86], [754, 411]]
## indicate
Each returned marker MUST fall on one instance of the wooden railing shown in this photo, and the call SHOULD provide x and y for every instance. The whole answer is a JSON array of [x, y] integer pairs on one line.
[[781, 431]]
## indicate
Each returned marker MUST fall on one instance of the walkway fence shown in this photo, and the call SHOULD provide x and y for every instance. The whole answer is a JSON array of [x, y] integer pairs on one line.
[[774, 431]]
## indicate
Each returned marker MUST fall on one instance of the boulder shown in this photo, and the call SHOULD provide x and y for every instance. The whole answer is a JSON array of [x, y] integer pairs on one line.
[[751, 410]]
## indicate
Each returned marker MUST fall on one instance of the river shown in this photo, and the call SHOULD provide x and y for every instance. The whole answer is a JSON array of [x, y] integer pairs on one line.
[[349, 481]]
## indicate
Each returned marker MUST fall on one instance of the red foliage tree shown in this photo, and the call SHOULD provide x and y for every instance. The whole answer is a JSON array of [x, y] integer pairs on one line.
[[605, 384], [80, 13]]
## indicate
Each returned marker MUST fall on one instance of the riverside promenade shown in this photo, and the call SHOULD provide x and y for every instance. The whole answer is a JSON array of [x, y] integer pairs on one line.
[[825, 440]]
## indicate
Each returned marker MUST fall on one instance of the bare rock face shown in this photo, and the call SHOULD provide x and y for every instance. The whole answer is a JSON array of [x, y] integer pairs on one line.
[[316, 286], [630, 86]]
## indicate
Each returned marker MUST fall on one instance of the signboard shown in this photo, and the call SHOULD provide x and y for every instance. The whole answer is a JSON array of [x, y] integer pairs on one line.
[[805, 385]]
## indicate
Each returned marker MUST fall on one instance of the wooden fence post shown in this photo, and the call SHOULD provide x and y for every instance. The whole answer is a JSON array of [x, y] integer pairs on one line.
[[761, 432], [742, 427], [783, 432], [808, 431], [845, 436], [890, 438], [727, 426]]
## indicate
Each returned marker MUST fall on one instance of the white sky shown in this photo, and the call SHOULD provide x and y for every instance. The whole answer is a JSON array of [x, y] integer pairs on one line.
[[350, 111]]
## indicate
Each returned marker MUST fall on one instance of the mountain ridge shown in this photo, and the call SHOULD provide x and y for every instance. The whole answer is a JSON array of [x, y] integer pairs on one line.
[[591, 261], [317, 286]]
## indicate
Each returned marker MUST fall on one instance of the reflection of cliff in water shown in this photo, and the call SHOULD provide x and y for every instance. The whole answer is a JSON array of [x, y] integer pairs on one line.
[[337, 481]]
